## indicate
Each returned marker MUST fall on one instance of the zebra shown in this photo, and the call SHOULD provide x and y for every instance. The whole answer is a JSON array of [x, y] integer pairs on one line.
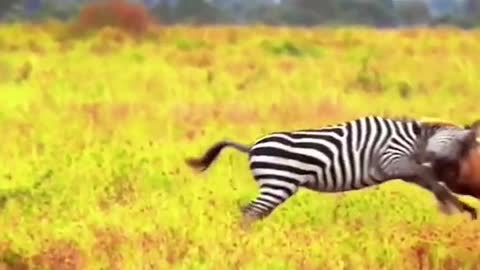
[[351, 155]]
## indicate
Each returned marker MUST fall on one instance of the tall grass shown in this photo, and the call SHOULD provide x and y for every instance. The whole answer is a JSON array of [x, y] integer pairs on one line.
[[94, 132]]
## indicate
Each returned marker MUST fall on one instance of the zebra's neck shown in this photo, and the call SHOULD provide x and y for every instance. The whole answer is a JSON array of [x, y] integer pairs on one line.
[[427, 130]]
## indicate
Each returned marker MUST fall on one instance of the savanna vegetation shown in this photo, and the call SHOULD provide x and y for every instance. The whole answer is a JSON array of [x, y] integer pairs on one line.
[[95, 129]]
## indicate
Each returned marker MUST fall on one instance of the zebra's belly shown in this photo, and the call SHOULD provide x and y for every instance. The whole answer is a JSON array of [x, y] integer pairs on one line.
[[318, 176], [335, 179]]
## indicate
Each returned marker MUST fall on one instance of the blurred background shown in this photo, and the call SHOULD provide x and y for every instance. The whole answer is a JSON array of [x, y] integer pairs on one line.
[[378, 13]]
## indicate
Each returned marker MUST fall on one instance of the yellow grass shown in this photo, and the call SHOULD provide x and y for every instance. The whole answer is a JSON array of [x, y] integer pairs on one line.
[[94, 133]]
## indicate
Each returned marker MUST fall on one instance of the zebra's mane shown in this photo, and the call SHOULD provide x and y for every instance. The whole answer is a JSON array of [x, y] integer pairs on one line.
[[402, 118], [424, 123], [427, 122]]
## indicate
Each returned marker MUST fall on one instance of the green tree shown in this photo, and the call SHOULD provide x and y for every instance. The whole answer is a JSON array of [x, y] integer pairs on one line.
[[375, 12], [413, 12], [324, 10], [6, 5], [9, 8], [198, 11], [164, 12], [287, 15]]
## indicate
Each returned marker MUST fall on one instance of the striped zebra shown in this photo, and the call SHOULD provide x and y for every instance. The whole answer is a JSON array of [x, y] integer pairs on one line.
[[349, 156]]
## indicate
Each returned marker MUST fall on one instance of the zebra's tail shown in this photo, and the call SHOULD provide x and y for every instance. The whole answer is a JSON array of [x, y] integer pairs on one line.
[[203, 163]]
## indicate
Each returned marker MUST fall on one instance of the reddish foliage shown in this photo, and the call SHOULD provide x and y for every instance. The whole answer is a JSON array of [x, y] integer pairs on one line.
[[452, 264], [202, 59], [174, 247], [295, 116], [286, 66], [421, 254], [99, 114], [109, 242], [192, 118], [61, 256], [133, 18], [461, 240], [10, 260]]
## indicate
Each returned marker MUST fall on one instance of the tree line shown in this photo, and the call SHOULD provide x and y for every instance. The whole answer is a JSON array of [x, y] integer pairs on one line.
[[378, 13]]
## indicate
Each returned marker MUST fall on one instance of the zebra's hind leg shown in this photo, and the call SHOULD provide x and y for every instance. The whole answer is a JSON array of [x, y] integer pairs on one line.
[[270, 197]]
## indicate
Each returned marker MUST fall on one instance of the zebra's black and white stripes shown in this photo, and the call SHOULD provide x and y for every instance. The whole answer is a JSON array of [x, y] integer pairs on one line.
[[350, 156]]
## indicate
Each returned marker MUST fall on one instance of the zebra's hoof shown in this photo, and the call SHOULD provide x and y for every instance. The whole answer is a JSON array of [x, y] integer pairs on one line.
[[473, 213]]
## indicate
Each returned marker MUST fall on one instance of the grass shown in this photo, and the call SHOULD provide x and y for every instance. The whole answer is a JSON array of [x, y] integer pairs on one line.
[[95, 132]]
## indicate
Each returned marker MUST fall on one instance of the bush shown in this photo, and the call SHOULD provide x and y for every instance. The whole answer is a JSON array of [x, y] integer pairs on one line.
[[133, 18]]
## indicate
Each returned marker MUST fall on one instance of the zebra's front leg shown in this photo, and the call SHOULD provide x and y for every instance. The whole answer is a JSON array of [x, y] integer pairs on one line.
[[427, 180], [446, 199], [410, 171], [272, 195]]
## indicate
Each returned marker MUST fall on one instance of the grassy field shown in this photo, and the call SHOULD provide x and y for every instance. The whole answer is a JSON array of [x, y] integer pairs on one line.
[[94, 133]]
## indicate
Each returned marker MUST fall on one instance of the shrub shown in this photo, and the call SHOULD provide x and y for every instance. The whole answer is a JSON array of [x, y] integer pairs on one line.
[[133, 18]]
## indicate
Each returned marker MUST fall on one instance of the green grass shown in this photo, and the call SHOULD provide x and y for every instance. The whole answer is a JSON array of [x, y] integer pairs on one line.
[[95, 133]]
